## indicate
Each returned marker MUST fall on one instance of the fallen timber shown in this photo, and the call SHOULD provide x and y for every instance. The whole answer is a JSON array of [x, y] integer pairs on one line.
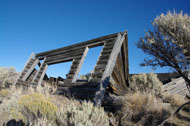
[[111, 69]]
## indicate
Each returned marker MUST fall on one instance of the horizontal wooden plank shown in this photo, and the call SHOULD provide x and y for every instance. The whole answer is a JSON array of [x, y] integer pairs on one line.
[[100, 66], [97, 75], [66, 52], [49, 59], [106, 51], [61, 60], [109, 43], [105, 56], [89, 42], [103, 61]]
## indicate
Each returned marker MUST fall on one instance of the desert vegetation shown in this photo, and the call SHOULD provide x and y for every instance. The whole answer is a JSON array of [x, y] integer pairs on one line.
[[143, 104], [40, 108], [168, 43]]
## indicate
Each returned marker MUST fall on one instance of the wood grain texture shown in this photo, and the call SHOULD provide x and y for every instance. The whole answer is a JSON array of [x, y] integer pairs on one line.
[[112, 61], [29, 71], [108, 70], [91, 43]]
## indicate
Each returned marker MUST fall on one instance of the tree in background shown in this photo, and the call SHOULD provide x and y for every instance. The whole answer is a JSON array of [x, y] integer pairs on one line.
[[168, 43]]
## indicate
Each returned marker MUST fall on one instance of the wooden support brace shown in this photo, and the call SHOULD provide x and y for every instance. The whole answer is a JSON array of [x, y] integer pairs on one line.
[[99, 96], [38, 70], [80, 64], [43, 74], [30, 70]]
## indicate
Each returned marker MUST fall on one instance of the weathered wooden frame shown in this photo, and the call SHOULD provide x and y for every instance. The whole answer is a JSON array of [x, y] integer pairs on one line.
[[112, 62]]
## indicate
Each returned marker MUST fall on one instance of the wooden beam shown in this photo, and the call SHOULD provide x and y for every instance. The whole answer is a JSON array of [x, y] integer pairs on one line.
[[35, 76], [43, 74], [80, 64], [31, 56], [63, 56], [119, 65], [108, 70], [28, 73], [61, 60], [65, 52], [92, 43], [118, 72], [124, 51]]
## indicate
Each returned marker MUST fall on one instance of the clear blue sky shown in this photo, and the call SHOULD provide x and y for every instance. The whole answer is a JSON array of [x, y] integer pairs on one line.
[[28, 26]]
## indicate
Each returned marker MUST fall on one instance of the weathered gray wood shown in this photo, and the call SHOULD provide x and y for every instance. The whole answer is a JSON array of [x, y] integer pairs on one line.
[[43, 74], [67, 51], [100, 66], [92, 43], [112, 60], [115, 77], [75, 63], [30, 58], [72, 71], [97, 74], [75, 54], [61, 60], [119, 78], [24, 69], [106, 51], [30, 70], [35, 79], [104, 56], [103, 61], [106, 65], [80, 64], [119, 66], [124, 51], [108, 70], [108, 47], [109, 43]]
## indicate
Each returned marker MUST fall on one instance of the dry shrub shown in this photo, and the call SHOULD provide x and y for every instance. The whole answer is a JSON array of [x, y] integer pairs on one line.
[[39, 107], [8, 104], [4, 93], [8, 76], [84, 114], [146, 83], [136, 106], [175, 100]]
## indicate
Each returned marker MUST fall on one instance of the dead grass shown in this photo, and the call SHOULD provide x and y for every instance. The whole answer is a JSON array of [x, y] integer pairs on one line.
[[175, 100], [138, 106]]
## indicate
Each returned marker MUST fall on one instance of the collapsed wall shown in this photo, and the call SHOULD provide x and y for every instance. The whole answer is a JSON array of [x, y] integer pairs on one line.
[[112, 63]]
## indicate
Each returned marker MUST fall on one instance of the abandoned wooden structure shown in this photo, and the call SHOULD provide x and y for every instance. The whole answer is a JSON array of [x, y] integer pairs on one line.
[[111, 68]]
